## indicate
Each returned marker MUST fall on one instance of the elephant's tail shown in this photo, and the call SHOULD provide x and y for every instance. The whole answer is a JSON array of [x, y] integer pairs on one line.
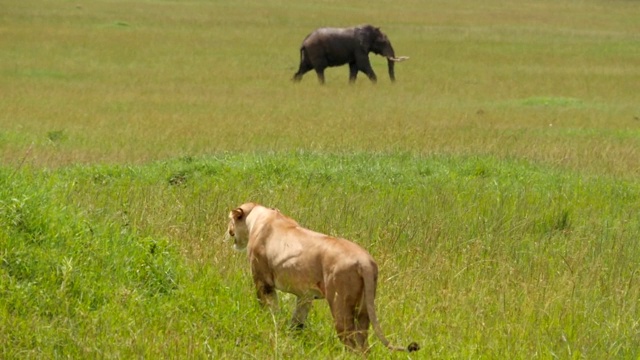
[[302, 54], [304, 66]]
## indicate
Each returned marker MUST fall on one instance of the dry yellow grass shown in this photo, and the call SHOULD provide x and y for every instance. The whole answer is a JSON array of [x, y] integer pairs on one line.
[[129, 82]]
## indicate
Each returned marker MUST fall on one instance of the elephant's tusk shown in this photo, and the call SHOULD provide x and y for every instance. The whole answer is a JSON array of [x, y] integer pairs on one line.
[[398, 59]]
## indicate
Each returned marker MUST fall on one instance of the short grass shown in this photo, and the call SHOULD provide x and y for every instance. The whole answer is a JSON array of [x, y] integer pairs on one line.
[[496, 182], [129, 82]]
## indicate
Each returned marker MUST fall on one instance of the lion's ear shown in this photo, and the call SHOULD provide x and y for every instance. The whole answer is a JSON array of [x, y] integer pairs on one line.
[[237, 214]]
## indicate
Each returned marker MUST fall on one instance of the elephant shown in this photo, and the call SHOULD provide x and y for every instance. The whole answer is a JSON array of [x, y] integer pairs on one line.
[[327, 47]]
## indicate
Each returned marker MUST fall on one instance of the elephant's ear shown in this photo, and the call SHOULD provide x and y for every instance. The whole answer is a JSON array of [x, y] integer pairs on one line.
[[377, 34], [364, 36]]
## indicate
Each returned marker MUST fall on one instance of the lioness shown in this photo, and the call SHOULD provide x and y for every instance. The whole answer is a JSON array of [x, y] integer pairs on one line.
[[285, 256]]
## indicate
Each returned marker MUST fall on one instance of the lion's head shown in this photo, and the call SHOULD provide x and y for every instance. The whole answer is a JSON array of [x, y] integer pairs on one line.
[[237, 228]]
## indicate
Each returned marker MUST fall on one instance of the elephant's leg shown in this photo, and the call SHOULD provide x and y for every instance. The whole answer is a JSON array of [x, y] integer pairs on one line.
[[319, 64], [353, 72], [372, 76], [320, 73], [365, 66]]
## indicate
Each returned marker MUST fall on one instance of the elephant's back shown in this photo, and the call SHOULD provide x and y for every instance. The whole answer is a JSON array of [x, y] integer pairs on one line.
[[329, 33]]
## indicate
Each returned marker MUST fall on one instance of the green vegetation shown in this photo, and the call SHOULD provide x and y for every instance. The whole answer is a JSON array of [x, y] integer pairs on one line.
[[496, 182]]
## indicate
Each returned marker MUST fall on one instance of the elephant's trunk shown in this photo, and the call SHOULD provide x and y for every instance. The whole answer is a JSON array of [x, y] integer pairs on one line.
[[390, 55], [391, 64], [391, 60]]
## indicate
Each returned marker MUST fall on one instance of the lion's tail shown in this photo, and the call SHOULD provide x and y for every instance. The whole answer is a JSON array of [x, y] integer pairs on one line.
[[370, 275]]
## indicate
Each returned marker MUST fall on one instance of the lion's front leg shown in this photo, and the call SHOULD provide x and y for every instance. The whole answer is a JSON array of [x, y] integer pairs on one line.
[[267, 295], [263, 280], [303, 305]]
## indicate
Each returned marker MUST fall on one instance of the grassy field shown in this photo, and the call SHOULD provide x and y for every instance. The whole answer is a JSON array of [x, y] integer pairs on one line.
[[496, 182]]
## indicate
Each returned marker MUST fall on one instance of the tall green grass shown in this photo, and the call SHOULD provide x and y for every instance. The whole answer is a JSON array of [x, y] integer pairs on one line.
[[496, 182], [479, 257]]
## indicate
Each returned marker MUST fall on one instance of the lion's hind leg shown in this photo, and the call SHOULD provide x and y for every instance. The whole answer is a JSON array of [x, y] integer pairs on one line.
[[345, 327], [344, 299], [362, 327]]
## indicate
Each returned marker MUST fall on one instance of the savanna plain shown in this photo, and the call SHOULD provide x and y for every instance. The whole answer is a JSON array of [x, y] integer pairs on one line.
[[496, 182]]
